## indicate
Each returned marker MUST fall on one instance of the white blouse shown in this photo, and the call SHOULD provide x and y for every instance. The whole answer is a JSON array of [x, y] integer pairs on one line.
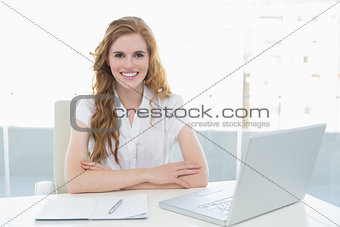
[[140, 146]]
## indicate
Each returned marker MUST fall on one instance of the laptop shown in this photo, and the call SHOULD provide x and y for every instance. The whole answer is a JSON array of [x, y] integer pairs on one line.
[[274, 173]]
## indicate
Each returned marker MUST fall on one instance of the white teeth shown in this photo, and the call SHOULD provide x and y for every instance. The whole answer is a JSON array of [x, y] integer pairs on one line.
[[129, 74]]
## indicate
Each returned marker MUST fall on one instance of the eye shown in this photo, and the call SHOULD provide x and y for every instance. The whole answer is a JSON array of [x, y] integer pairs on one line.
[[119, 55], [139, 55]]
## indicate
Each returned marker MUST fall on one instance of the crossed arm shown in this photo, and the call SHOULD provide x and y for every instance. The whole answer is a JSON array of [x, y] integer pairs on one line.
[[86, 176]]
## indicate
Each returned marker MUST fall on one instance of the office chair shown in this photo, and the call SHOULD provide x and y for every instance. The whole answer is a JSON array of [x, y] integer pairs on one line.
[[62, 131]]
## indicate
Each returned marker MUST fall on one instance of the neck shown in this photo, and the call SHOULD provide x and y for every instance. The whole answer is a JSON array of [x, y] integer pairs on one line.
[[130, 98]]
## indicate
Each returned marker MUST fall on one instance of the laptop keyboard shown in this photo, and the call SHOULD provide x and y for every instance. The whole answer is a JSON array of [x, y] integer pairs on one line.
[[220, 206]]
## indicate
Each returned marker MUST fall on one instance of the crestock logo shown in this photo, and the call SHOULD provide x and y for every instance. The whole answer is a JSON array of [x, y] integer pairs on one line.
[[73, 107], [193, 113]]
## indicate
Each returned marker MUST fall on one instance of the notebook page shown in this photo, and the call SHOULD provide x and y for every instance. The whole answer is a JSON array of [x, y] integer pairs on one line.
[[67, 208], [132, 207]]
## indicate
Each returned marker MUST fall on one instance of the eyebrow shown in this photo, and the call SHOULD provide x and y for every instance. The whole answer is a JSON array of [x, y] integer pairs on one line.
[[138, 51]]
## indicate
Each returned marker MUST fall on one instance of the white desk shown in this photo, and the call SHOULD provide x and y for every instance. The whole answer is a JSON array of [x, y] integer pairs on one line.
[[295, 215]]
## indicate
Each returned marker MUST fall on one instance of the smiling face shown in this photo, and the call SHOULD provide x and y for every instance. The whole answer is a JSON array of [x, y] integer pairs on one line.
[[128, 59]]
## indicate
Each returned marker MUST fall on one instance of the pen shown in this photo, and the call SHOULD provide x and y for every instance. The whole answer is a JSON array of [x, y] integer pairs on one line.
[[115, 206]]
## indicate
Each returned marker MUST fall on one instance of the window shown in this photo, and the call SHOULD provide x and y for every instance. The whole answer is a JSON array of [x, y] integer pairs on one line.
[[297, 82]]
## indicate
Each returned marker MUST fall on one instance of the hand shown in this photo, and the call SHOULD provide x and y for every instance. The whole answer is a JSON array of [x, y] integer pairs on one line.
[[170, 173], [87, 165]]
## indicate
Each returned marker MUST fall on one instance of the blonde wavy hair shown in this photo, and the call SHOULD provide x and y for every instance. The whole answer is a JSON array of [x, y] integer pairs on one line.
[[103, 83]]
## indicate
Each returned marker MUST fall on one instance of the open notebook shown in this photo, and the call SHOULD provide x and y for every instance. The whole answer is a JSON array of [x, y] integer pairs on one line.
[[89, 208]]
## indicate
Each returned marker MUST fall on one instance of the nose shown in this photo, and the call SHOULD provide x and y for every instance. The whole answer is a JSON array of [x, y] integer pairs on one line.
[[129, 63]]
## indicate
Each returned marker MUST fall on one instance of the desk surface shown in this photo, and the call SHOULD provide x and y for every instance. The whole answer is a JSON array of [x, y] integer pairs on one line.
[[298, 215]]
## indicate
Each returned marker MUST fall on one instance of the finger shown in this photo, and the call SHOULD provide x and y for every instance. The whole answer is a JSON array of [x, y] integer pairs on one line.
[[85, 162], [85, 167], [182, 183], [187, 163], [92, 164], [95, 166], [188, 166], [104, 167], [185, 172], [88, 167]]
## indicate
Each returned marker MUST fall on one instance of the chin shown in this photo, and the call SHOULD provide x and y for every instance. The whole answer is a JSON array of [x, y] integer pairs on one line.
[[130, 86]]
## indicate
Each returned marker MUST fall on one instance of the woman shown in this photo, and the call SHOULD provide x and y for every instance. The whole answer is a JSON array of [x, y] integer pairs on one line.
[[130, 88]]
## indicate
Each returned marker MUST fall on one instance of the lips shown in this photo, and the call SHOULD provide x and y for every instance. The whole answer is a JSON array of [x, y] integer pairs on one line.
[[129, 75]]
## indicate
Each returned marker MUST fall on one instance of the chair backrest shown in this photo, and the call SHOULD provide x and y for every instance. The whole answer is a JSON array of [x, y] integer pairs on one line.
[[62, 131]]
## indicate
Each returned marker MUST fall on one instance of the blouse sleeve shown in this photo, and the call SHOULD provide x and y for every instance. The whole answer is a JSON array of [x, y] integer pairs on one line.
[[178, 117], [85, 111]]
